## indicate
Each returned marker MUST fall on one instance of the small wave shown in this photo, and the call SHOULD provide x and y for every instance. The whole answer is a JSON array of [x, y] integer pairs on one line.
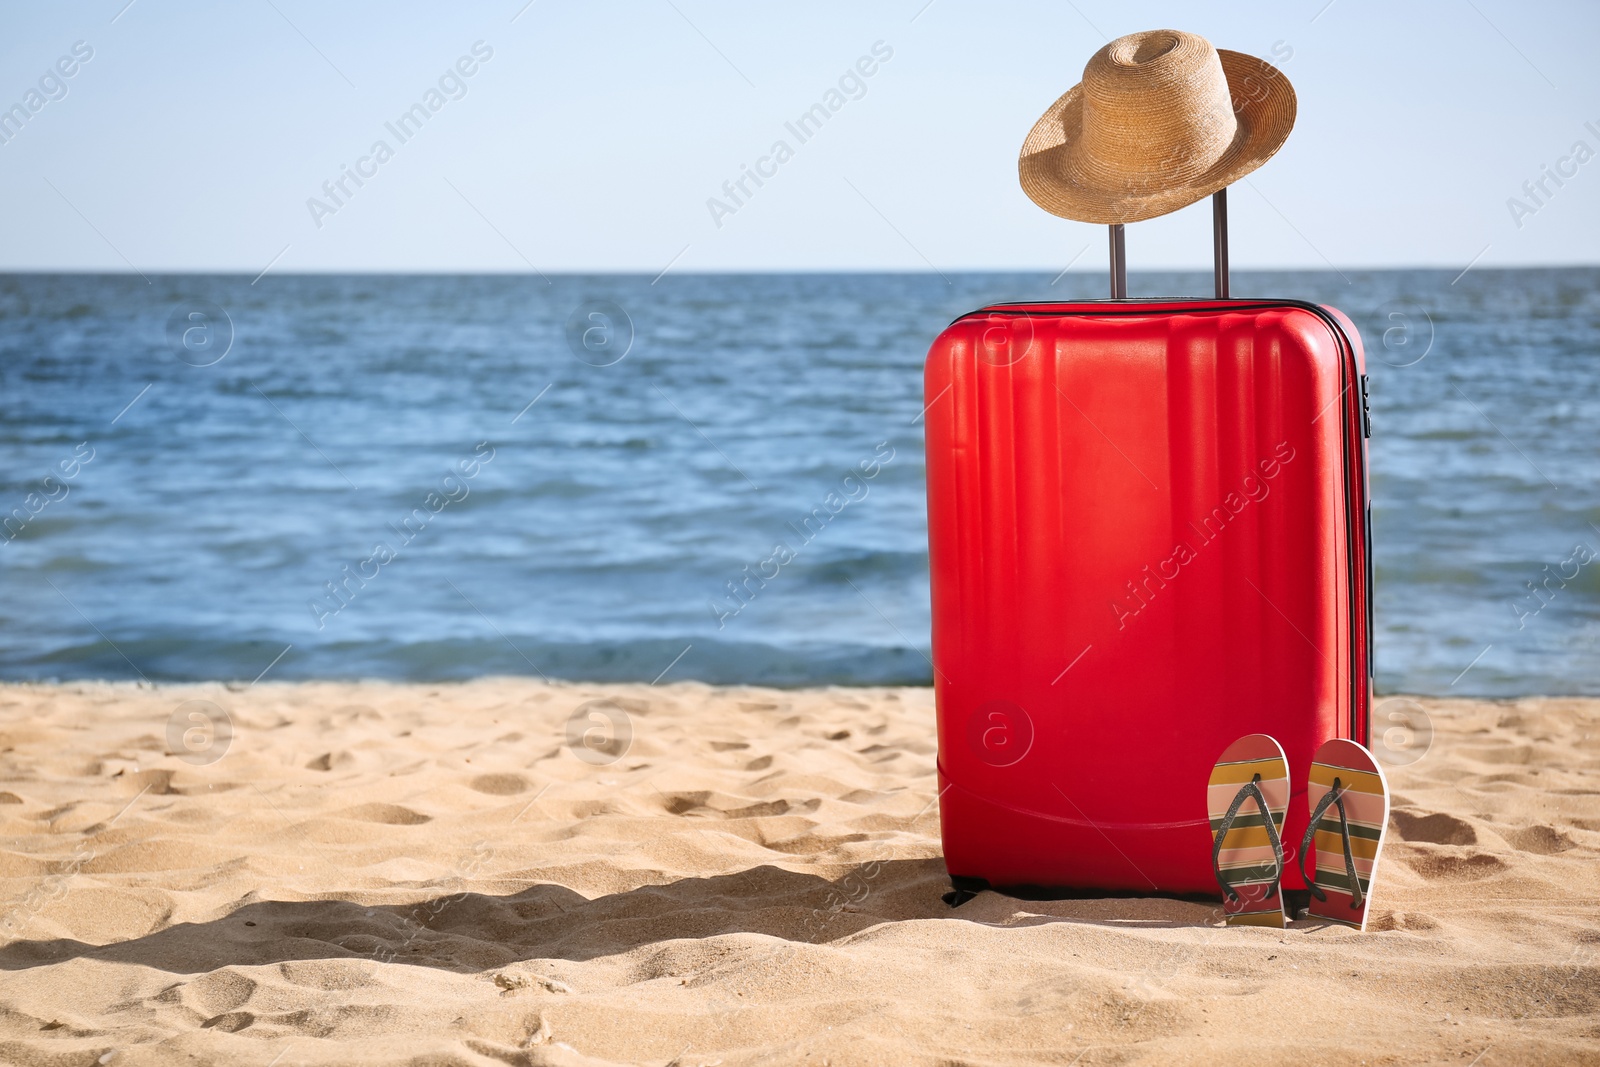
[[179, 658]]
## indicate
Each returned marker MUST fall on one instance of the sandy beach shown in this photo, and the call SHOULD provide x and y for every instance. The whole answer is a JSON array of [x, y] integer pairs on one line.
[[381, 873]]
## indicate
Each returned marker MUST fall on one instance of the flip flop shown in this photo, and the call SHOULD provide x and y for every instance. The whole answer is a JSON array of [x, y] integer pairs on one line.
[[1349, 799], [1247, 798]]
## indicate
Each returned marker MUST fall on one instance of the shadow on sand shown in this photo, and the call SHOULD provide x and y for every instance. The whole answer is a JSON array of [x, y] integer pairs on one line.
[[469, 932]]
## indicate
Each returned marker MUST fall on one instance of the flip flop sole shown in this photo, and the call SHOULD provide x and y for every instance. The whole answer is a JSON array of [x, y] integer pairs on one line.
[[1365, 792], [1246, 860]]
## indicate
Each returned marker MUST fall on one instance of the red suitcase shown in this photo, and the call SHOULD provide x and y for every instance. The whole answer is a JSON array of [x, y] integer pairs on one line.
[[1148, 535]]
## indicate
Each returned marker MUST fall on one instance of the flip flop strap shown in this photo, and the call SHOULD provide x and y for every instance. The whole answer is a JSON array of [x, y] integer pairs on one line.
[[1356, 896], [1250, 790], [1334, 797]]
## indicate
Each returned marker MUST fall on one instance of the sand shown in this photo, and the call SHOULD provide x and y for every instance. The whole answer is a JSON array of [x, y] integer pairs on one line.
[[377, 874]]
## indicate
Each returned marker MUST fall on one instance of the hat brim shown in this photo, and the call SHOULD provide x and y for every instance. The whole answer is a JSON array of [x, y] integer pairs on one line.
[[1051, 165]]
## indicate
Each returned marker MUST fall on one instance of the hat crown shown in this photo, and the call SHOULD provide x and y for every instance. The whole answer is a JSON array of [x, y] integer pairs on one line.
[[1156, 108]]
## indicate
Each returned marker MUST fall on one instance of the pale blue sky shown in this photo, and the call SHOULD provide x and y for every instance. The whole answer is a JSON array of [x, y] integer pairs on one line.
[[594, 136]]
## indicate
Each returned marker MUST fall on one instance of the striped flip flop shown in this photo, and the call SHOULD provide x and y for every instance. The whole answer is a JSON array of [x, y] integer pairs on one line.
[[1247, 798], [1349, 799]]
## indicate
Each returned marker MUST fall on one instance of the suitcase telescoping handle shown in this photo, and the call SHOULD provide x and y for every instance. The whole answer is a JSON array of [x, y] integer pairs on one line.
[[1219, 250]]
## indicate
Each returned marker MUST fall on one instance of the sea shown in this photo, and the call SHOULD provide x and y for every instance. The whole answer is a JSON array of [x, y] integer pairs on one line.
[[443, 477]]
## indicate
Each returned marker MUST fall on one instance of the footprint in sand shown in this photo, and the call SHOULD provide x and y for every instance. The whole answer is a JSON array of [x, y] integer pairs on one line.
[[1434, 829], [1450, 867], [1541, 840], [500, 785], [389, 814]]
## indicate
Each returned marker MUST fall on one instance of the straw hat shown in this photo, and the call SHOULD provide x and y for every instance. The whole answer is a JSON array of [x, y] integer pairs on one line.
[[1161, 120]]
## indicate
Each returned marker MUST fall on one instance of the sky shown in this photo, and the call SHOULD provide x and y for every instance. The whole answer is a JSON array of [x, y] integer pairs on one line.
[[595, 136]]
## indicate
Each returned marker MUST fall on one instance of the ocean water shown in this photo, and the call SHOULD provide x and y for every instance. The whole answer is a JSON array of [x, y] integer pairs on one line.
[[433, 477]]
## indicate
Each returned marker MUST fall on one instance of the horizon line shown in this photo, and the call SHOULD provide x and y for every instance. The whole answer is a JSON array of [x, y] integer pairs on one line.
[[772, 271]]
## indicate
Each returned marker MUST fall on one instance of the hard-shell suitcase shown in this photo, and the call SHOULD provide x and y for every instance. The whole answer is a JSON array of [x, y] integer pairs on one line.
[[1148, 535]]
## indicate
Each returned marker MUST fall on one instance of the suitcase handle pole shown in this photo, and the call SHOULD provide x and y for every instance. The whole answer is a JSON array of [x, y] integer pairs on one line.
[[1219, 250], [1219, 241], [1119, 263]]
